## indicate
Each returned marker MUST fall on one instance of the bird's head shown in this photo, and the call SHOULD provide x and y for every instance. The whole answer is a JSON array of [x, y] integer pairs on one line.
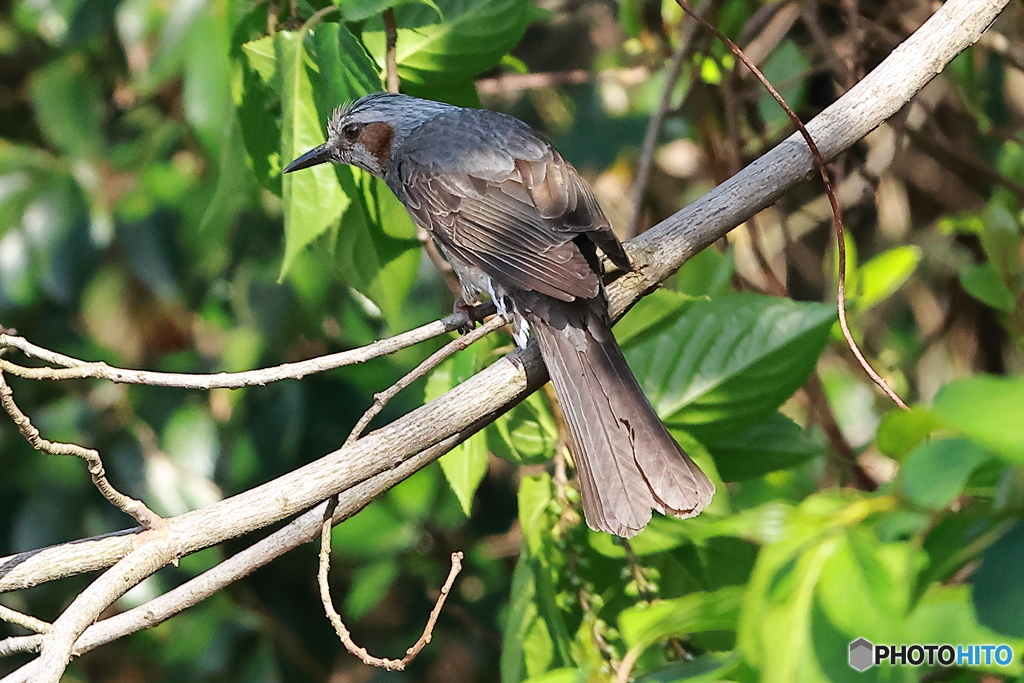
[[366, 133]]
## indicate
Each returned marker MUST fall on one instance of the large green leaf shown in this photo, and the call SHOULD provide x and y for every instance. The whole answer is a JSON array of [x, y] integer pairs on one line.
[[734, 359], [259, 108], [377, 251], [358, 10], [313, 199], [472, 37], [775, 443]]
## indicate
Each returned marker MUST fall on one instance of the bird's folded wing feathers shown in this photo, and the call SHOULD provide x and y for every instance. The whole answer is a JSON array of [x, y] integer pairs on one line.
[[520, 228]]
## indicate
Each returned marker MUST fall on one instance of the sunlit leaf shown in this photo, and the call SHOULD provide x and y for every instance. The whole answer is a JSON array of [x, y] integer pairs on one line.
[[883, 274], [645, 625], [527, 434], [313, 199], [473, 36], [986, 409], [945, 614], [535, 637], [902, 430], [357, 10]]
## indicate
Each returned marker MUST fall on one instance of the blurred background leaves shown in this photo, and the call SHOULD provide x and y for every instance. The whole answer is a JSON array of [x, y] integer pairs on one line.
[[144, 221]]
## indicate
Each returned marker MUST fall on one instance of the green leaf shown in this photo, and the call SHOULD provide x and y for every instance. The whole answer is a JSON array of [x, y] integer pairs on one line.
[[707, 274], [934, 473], [535, 636], [206, 93], [358, 10], [902, 430], [987, 409], [465, 465], [646, 624], [1001, 239], [377, 251], [865, 585], [68, 108], [527, 434], [985, 284], [564, 675], [313, 199], [660, 307], [883, 274], [998, 593], [259, 108], [817, 560], [370, 585], [775, 443], [711, 667], [945, 615], [473, 37], [735, 359], [344, 70]]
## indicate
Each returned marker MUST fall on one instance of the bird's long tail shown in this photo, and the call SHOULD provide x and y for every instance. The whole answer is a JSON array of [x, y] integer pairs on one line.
[[628, 463]]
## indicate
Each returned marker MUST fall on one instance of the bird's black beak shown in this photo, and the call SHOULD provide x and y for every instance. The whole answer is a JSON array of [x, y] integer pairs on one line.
[[317, 155]]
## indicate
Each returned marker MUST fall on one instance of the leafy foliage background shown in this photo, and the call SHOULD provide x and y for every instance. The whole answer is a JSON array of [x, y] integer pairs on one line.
[[144, 222]]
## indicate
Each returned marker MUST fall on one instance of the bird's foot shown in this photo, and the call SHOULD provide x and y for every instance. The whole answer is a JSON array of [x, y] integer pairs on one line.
[[473, 314]]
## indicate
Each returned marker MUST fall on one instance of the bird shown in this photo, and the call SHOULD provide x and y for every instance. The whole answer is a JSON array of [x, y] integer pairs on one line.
[[517, 221]]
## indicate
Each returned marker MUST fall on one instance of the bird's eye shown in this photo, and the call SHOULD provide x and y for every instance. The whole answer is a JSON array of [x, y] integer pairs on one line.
[[351, 131]]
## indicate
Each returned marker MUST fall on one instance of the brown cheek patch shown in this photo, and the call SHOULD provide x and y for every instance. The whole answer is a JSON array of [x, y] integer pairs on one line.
[[376, 137]]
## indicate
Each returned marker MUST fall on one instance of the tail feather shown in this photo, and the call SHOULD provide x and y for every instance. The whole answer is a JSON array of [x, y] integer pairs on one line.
[[628, 463]]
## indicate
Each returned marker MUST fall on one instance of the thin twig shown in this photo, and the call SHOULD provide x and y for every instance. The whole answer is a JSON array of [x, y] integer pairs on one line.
[[433, 360], [136, 508], [73, 368], [343, 632], [26, 621], [510, 83], [687, 30], [390, 55], [837, 219]]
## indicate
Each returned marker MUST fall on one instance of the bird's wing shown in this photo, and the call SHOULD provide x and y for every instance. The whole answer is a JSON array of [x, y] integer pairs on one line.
[[516, 219]]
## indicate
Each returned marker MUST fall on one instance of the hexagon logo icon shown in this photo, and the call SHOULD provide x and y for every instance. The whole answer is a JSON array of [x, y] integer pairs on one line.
[[862, 654]]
